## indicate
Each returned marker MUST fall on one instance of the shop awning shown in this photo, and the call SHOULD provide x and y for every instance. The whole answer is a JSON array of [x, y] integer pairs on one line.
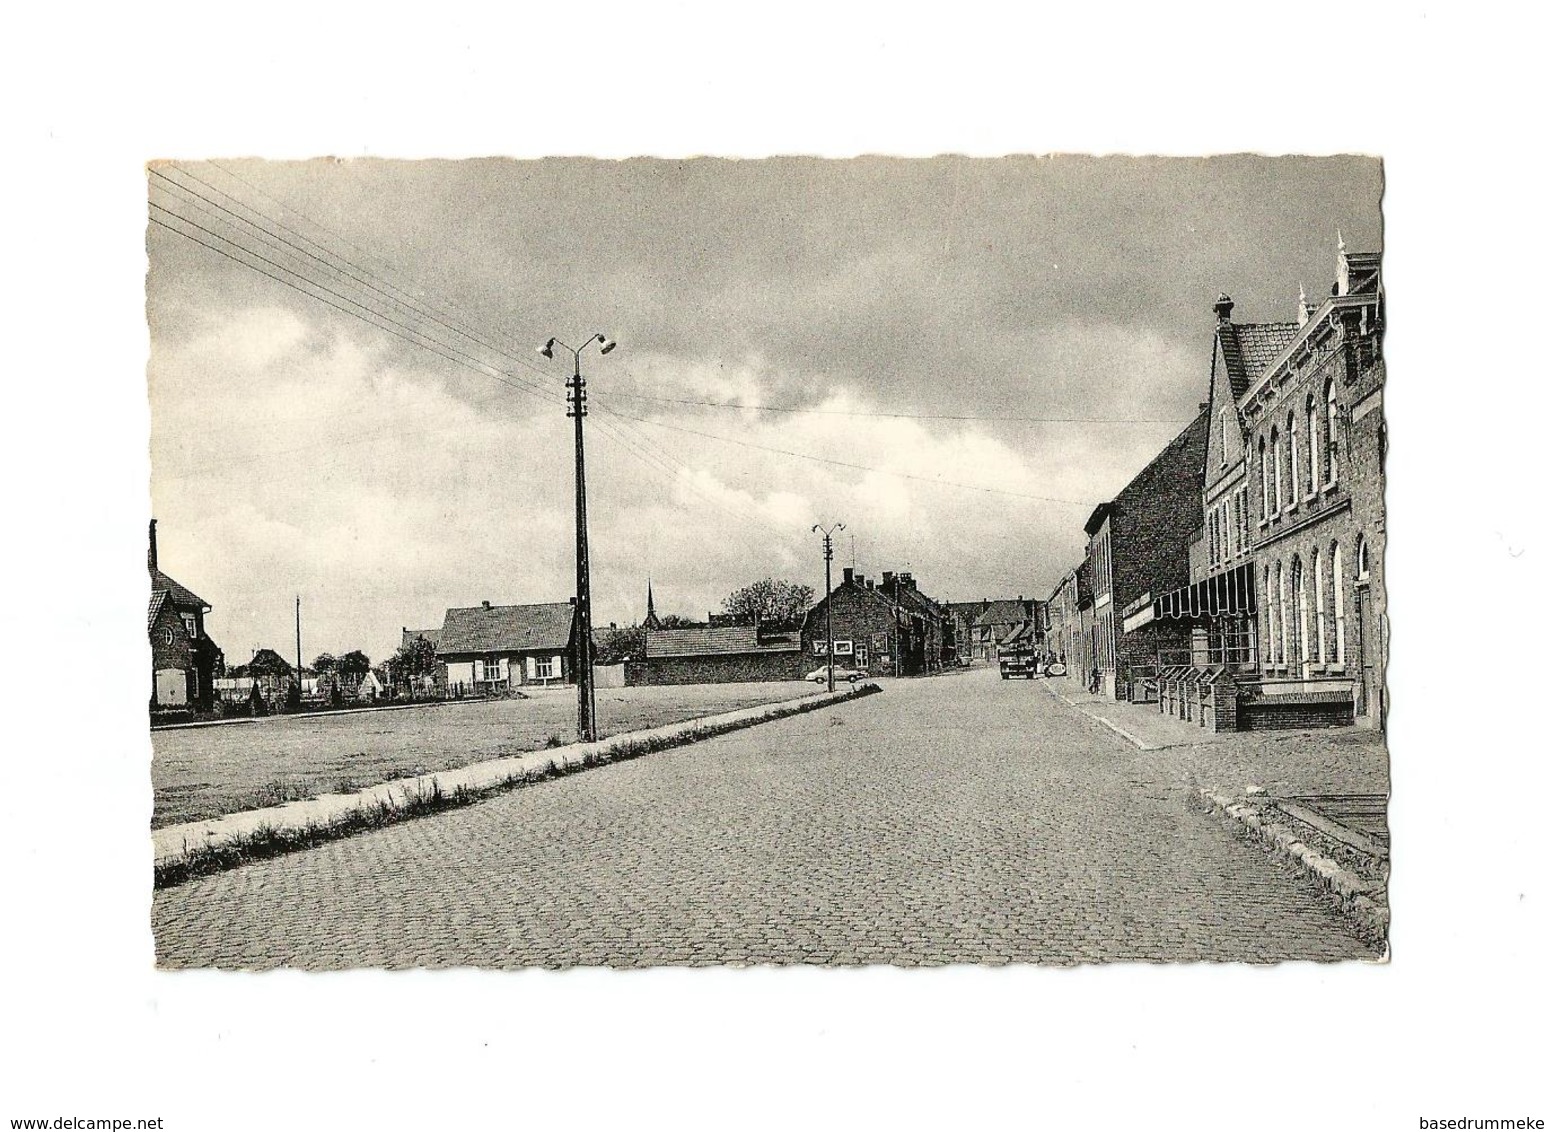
[[1230, 594]]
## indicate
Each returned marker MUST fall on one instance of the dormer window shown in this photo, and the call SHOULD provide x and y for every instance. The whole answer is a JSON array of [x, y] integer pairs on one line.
[[191, 625]]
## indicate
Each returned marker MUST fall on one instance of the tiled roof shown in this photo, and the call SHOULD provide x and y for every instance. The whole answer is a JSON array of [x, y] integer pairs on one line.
[[728, 641], [431, 636], [1251, 347], [506, 628], [1006, 612], [180, 596], [158, 599]]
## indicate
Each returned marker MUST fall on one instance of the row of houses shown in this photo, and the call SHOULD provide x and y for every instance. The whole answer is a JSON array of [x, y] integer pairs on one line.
[[1251, 547], [887, 628]]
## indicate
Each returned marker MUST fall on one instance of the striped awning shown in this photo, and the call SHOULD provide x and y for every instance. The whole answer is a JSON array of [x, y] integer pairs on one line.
[[1222, 595]]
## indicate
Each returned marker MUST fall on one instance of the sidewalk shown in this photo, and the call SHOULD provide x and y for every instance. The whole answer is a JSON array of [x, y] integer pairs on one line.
[[1337, 760]]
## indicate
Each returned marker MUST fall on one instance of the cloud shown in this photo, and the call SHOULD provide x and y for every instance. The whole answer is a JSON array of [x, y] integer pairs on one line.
[[298, 450]]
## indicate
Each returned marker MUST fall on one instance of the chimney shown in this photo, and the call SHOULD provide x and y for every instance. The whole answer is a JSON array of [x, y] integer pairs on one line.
[[485, 605], [1223, 306], [907, 582], [847, 575], [868, 583], [151, 552]]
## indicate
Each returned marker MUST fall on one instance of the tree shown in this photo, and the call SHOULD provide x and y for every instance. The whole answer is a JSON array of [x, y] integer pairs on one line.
[[268, 662], [675, 621], [618, 645], [772, 602], [416, 659], [353, 666], [324, 663]]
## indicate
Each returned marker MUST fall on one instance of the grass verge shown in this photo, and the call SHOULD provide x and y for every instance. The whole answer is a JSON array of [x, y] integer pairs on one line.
[[429, 797]]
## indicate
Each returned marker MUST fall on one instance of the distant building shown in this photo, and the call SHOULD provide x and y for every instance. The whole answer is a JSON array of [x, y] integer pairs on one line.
[[489, 649], [430, 636], [1000, 621], [889, 629], [185, 662], [716, 655], [1137, 548]]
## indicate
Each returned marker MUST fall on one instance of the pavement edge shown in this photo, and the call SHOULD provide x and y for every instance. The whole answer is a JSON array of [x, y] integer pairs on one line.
[[1361, 902], [194, 849]]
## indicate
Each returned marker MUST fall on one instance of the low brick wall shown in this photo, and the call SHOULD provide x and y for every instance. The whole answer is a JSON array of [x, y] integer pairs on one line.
[[737, 668], [1292, 713]]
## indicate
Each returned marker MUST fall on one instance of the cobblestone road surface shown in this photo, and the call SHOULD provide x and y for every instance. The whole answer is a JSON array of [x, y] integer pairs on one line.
[[960, 819]]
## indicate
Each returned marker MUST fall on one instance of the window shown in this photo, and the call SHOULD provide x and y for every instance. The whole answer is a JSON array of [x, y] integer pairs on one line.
[[1319, 651], [1278, 471], [1339, 651], [1279, 601], [1331, 448], [1268, 608], [1362, 561], [547, 667], [1314, 441], [1294, 458], [191, 625], [1224, 439], [1300, 645], [1262, 472]]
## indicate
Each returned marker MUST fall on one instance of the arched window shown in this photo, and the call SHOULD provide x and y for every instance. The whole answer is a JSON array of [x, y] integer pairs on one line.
[[1314, 440], [1362, 560], [1331, 447], [1276, 454], [1282, 600], [1300, 650], [1262, 471], [1320, 650], [1289, 426], [1270, 636], [1340, 653]]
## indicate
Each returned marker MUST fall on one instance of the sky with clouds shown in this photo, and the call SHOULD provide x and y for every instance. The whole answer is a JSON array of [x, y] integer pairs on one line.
[[971, 353]]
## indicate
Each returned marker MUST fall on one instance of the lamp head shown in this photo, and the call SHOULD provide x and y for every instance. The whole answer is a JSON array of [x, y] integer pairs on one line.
[[545, 351], [605, 344]]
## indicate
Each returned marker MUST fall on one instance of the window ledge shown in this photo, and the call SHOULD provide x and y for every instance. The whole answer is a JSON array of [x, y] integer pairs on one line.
[[1311, 497]]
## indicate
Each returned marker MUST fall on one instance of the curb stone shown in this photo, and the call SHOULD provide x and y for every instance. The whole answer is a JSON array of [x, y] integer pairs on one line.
[[180, 852], [1363, 902]]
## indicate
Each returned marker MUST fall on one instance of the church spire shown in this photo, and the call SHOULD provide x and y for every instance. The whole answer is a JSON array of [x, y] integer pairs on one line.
[[651, 621]]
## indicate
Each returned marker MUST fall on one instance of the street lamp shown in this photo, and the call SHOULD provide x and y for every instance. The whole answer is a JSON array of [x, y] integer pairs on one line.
[[577, 409], [827, 532]]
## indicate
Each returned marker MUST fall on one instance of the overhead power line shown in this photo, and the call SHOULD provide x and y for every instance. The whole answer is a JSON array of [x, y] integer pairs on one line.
[[995, 418], [849, 464]]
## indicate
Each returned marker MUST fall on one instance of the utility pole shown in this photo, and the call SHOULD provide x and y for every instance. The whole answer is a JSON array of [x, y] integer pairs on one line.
[[826, 533], [299, 650], [577, 409]]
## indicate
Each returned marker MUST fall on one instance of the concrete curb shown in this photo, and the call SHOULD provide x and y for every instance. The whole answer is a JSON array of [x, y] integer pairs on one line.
[[1363, 902], [1108, 724], [198, 848]]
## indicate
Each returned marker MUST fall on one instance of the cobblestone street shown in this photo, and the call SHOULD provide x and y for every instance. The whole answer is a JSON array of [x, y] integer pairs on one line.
[[954, 820]]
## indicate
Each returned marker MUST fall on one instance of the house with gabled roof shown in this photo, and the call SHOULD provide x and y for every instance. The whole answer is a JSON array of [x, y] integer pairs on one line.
[[1287, 587], [489, 649], [184, 660]]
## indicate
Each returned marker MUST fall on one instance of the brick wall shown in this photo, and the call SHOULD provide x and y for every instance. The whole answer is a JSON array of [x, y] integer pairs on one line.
[[859, 615], [728, 669]]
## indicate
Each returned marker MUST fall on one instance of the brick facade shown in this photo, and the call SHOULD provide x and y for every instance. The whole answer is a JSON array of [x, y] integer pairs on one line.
[[891, 629], [1316, 442], [764, 666]]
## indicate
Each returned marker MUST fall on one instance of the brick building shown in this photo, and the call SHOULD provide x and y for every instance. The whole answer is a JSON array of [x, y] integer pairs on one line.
[[1288, 588], [1137, 547], [492, 648], [185, 662], [717, 655], [891, 629]]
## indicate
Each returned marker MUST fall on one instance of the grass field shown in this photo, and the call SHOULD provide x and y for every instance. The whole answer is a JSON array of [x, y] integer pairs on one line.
[[203, 772]]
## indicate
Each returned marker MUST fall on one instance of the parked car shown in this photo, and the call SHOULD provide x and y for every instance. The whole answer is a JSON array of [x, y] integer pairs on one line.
[[851, 675]]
